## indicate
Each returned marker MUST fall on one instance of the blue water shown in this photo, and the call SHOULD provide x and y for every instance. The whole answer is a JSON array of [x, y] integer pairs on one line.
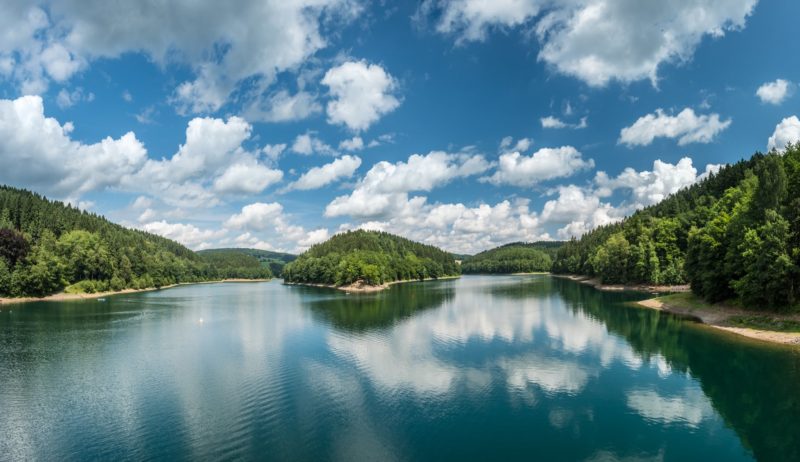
[[480, 368]]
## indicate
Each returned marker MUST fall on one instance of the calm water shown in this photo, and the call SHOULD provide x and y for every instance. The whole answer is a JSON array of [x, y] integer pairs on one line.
[[482, 368]]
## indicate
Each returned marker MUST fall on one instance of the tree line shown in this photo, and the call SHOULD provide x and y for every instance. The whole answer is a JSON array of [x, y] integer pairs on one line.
[[48, 246], [734, 235], [369, 256], [275, 261], [518, 257]]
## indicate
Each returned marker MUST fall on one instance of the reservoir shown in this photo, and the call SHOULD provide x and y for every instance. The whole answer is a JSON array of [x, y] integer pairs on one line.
[[478, 368]]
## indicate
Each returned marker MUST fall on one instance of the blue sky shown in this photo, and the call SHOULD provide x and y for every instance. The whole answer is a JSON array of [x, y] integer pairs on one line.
[[461, 123]]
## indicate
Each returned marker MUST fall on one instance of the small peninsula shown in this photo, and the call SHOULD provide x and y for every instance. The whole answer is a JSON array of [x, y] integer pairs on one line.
[[367, 261]]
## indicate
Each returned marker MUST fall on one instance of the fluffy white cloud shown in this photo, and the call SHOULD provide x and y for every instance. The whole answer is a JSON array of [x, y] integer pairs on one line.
[[255, 217], [362, 93], [317, 177], [37, 152], [246, 178], [545, 164], [650, 187], [223, 45], [273, 151], [599, 40], [187, 234], [267, 226], [775, 92], [210, 145], [687, 126], [555, 122], [353, 144], [787, 131], [211, 162], [307, 144], [578, 210], [386, 185], [583, 209]]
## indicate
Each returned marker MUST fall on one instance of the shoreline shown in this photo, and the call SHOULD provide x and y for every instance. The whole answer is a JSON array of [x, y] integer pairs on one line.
[[65, 297], [720, 317], [623, 287], [361, 288]]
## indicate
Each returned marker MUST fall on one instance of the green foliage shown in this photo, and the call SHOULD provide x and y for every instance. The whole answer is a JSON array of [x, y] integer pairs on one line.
[[735, 234], [518, 257], [261, 263], [767, 279], [371, 257], [87, 287], [235, 263], [46, 246]]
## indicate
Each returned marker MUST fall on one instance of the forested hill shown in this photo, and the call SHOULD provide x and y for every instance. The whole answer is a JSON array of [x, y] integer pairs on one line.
[[47, 246], [369, 256], [275, 261], [735, 235], [518, 257], [236, 263]]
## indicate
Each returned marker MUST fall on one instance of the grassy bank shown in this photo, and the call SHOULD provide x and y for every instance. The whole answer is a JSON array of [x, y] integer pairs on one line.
[[772, 327]]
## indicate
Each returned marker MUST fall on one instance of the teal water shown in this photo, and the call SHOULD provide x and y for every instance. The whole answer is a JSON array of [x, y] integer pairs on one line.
[[481, 368]]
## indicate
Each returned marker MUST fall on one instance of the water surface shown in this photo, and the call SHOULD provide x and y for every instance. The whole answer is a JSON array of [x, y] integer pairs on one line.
[[481, 368]]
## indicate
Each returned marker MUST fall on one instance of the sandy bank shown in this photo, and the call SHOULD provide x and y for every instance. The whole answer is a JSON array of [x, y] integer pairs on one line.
[[721, 317], [360, 287], [623, 287], [63, 296]]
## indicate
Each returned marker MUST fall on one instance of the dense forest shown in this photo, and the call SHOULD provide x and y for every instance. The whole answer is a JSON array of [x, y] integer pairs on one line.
[[734, 235], [275, 261], [369, 256], [48, 246], [236, 263], [518, 257]]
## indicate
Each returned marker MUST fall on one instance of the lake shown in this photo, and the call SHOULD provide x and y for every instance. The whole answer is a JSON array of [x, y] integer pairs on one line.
[[479, 368]]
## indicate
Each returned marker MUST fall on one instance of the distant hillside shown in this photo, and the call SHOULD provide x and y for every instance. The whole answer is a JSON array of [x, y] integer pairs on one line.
[[274, 261], [234, 263], [369, 256], [517, 257], [47, 246], [735, 234]]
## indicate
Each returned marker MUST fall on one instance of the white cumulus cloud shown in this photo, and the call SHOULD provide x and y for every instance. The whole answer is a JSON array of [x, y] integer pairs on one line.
[[787, 131], [267, 226], [222, 45], [362, 93], [650, 187], [248, 177], [545, 164], [687, 126], [598, 41], [386, 185], [37, 152], [317, 177], [187, 234], [307, 144], [775, 92]]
